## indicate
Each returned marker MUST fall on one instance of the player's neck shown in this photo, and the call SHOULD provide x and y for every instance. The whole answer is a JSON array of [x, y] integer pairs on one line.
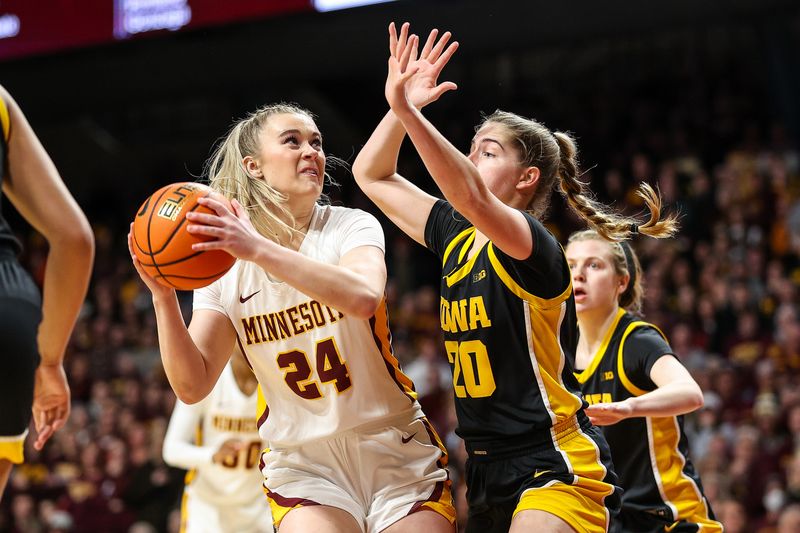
[[593, 328], [301, 223]]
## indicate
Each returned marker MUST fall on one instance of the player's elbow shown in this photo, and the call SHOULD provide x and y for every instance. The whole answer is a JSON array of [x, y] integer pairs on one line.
[[189, 395], [694, 396], [365, 306], [77, 236], [170, 455]]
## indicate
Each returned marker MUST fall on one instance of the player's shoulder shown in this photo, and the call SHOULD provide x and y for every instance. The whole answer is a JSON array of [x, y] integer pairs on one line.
[[339, 214]]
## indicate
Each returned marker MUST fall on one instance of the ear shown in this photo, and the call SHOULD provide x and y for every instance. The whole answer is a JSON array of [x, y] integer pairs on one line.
[[623, 283], [252, 167], [528, 180]]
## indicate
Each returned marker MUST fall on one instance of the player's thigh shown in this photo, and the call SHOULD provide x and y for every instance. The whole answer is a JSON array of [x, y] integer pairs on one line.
[[426, 521], [320, 519], [5, 471], [407, 477], [198, 515], [535, 520]]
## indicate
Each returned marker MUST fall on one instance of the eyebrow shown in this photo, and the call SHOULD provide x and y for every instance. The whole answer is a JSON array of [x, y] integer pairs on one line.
[[588, 258], [489, 139], [298, 132]]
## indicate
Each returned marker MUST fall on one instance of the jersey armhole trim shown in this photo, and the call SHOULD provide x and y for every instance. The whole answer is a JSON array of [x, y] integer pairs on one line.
[[452, 244], [513, 286], [627, 383], [5, 119]]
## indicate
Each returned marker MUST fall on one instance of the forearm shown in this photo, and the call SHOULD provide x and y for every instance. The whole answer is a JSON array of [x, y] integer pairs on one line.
[[184, 364], [337, 286], [671, 399], [378, 157], [66, 279], [453, 172], [184, 455]]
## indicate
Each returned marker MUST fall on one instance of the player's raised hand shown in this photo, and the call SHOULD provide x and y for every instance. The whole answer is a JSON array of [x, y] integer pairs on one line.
[[423, 87], [402, 56]]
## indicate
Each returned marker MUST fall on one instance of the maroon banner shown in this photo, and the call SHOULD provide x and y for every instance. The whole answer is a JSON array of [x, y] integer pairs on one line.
[[41, 26]]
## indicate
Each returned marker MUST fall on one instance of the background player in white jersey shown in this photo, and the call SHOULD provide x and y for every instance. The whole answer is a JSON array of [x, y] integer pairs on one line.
[[350, 449], [218, 442]]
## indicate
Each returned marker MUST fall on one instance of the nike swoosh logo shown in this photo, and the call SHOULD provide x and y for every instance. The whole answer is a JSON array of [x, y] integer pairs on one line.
[[144, 208], [242, 299], [407, 440], [538, 473]]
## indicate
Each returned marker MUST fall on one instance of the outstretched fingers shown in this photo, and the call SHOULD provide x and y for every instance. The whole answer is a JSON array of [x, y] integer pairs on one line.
[[436, 51], [408, 54], [443, 59], [426, 50]]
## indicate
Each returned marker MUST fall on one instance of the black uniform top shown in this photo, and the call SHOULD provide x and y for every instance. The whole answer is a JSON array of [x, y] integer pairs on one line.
[[8, 243], [650, 454], [507, 327]]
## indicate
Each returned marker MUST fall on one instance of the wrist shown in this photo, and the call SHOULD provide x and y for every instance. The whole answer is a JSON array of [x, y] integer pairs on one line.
[[631, 404]]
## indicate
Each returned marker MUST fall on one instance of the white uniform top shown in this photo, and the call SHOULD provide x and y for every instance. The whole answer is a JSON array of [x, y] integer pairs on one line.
[[197, 431], [321, 372]]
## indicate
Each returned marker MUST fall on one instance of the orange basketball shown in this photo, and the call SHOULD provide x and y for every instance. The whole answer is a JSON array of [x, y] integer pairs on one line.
[[164, 247]]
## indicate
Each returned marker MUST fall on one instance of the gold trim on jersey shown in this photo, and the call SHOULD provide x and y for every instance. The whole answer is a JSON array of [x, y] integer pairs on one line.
[[580, 504], [452, 244], [12, 450], [382, 336], [184, 512], [513, 286], [679, 491], [467, 245], [623, 377], [597, 358], [542, 328], [461, 272], [261, 406], [5, 119]]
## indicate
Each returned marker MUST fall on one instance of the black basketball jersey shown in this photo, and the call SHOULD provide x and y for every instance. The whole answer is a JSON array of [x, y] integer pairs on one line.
[[507, 326], [8, 243], [650, 454]]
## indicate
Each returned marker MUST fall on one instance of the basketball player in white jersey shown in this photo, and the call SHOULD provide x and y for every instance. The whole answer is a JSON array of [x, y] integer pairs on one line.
[[350, 449], [218, 442]]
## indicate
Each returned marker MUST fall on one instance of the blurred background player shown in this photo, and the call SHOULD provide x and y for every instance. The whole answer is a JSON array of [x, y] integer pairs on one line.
[[34, 329], [637, 390], [217, 440], [350, 449]]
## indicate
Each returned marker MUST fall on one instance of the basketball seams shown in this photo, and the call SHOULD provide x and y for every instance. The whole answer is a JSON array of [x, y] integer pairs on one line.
[[149, 244], [212, 264]]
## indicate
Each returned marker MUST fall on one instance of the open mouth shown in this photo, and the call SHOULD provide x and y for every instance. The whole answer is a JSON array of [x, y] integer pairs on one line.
[[579, 293]]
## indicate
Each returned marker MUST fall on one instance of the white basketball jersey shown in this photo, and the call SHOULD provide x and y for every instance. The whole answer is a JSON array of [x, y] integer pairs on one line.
[[195, 434], [321, 372]]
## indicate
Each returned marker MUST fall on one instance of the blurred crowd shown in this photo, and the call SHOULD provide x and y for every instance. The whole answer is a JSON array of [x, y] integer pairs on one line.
[[725, 292]]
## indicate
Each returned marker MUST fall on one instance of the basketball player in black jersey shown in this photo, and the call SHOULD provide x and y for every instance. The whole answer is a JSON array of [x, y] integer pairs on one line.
[[34, 329], [507, 309], [637, 390]]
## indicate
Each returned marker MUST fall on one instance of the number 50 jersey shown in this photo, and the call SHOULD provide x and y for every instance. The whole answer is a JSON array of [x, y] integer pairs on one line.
[[321, 372]]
